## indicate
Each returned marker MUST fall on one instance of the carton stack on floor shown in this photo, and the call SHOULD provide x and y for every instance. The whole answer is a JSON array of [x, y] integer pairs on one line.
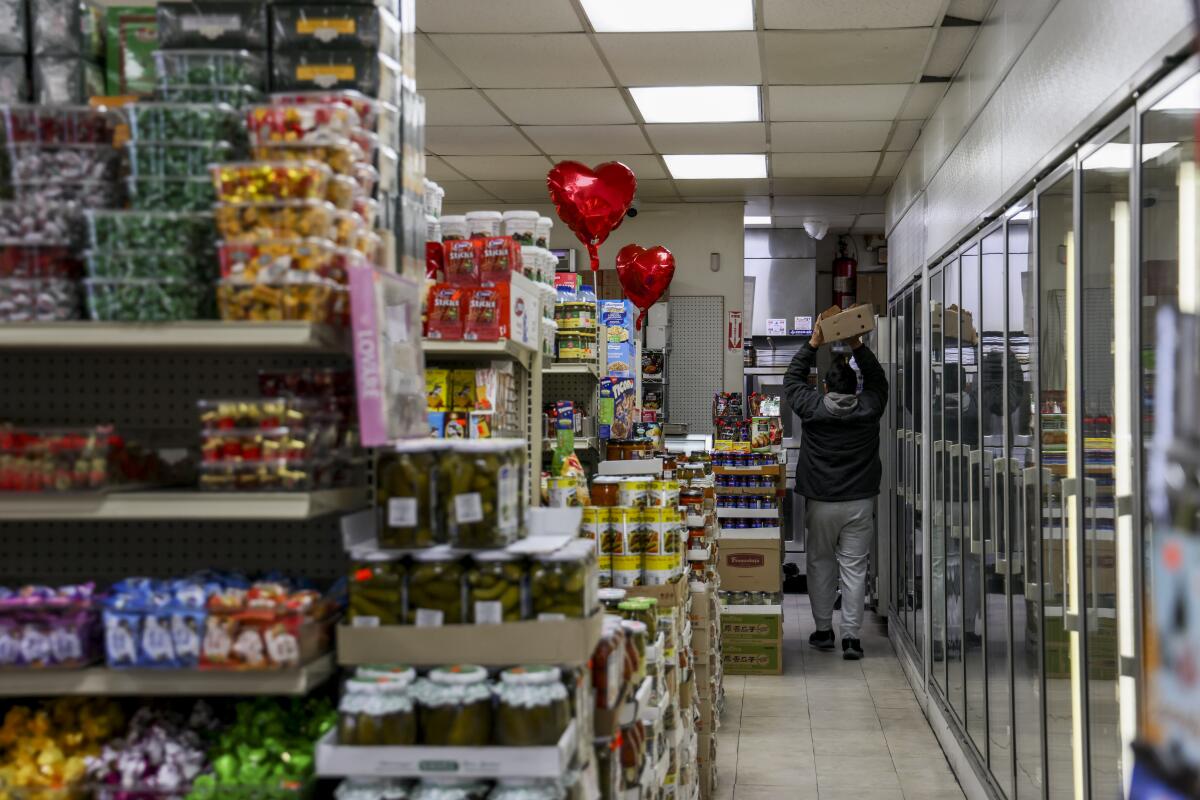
[[749, 563]]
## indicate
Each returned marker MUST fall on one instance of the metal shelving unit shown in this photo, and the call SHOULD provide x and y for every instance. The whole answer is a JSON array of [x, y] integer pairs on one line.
[[181, 505], [188, 335]]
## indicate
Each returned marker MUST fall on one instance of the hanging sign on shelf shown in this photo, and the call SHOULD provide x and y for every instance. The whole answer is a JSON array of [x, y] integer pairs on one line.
[[735, 330], [804, 326]]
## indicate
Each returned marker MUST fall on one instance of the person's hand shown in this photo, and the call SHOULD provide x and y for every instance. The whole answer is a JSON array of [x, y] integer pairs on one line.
[[818, 337], [855, 342]]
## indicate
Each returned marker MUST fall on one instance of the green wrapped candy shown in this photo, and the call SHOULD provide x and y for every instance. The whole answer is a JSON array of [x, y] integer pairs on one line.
[[209, 68], [171, 194], [175, 159], [147, 300], [179, 122], [110, 229], [189, 266]]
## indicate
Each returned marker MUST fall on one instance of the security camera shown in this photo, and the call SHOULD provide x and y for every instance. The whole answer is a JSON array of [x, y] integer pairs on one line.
[[816, 228], [634, 207]]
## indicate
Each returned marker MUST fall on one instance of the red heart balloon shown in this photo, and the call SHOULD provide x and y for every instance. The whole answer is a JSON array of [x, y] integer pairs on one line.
[[644, 275], [592, 202]]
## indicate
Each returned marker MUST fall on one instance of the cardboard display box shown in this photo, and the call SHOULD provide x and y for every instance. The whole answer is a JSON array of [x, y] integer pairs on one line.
[[851, 322], [750, 565], [668, 595], [761, 657], [751, 627]]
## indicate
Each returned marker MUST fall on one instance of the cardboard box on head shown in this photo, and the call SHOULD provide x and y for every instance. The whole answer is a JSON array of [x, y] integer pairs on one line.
[[849, 323]]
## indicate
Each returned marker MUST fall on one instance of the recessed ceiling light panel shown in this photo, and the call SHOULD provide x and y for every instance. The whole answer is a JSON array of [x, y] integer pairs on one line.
[[631, 16], [756, 221], [724, 165], [697, 103]]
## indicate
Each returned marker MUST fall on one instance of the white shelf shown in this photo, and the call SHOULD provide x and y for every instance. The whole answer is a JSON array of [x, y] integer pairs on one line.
[[766, 611], [505, 348], [185, 335], [637, 466], [748, 513], [750, 533], [581, 443], [697, 520], [180, 505], [699, 554], [101, 681], [571, 369]]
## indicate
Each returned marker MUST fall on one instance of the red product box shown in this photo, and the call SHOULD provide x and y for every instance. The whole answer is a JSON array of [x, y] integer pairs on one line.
[[486, 316], [500, 258], [463, 258], [445, 312], [435, 258]]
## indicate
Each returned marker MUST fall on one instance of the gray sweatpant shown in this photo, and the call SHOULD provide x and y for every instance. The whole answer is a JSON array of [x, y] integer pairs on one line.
[[839, 541]]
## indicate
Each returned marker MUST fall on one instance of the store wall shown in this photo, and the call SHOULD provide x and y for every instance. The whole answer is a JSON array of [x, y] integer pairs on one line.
[[1037, 77], [691, 231]]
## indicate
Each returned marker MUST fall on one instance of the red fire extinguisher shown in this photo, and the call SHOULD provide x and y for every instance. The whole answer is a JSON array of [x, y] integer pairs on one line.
[[845, 277]]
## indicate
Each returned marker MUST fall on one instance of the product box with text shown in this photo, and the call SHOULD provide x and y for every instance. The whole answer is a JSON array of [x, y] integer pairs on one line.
[[750, 565]]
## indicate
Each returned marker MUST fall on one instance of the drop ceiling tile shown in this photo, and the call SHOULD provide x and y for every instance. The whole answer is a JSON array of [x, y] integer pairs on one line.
[[644, 166], [823, 165], [892, 161], [923, 100], [815, 204], [703, 137], [819, 186], [949, 50], [477, 140], [501, 168], [869, 223], [828, 137], [463, 192], [969, 9], [488, 16], [905, 135], [836, 223], [562, 106], [518, 191], [438, 170], [656, 190], [436, 71], [796, 103], [881, 184], [683, 59], [845, 57], [846, 14], [758, 207], [513, 61], [722, 188], [459, 107], [597, 139]]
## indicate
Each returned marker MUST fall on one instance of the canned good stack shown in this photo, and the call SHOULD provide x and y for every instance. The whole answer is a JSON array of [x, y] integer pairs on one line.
[[59, 161], [638, 531]]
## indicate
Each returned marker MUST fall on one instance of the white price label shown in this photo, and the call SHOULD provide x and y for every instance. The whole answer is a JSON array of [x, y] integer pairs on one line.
[[402, 512], [429, 618], [397, 323], [468, 507], [489, 612], [547, 616], [365, 622], [507, 490]]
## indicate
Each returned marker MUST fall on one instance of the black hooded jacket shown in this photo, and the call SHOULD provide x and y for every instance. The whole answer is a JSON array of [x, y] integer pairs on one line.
[[839, 438]]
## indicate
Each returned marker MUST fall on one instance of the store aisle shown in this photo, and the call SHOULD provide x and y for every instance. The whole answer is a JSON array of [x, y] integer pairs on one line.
[[828, 728]]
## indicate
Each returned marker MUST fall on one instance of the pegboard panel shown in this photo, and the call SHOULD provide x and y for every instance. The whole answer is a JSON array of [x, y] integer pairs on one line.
[[697, 359], [145, 394], [580, 389], [59, 552]]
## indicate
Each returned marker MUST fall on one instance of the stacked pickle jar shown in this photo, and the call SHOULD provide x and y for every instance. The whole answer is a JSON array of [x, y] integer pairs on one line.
[[406, 495], [495, 588], [378, 710], [479, 489], [455, 706], [562, 584], [435, 588], [376, 590], [532, 708]]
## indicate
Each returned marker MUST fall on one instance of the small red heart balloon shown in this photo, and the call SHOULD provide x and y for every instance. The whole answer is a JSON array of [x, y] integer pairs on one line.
[[644, 275], [592, 202]]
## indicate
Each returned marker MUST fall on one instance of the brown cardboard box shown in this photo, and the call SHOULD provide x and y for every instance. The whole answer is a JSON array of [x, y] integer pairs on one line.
[[702, 639], [851, 322], [668, 595], [751, 627], [762, 657], [750, 565]]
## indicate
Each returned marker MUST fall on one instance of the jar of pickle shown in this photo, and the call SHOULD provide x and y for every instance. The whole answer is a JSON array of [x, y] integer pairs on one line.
[[666, 626], [376, 590], [494, 587], [378, 712], [532, 708], [608, 663], [435, 588], [608, 767], [526, 789], [479, 490], [645, 611], [451, 789], [372, 789], [611, 598], [455, 706], [633, 754], [563, 584], [406, 494], [636, 642], [606, 490]]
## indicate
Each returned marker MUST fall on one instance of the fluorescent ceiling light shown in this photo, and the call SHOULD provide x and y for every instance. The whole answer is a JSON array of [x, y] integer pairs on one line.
[[697, 167], [630, 16], [697, 103], [1023, 215], [1185, 98], [1118, 155], [756, 220]]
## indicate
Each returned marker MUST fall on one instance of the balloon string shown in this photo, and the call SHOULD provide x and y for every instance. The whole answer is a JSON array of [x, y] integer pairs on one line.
[[595, 256]]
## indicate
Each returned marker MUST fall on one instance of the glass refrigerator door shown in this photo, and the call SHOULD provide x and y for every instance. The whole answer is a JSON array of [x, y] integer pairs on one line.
[[937, 540]]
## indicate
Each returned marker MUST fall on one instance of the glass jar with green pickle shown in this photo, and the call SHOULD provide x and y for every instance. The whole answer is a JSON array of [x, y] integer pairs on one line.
[[406, 494], [372, 789], [527, 789], [563, 584], [479, 490], [532, 709], [376, 589], [637, 609], [451, 789], [635, 646], [435, 588], [455, 706], [611, 598], [495, 587], [378, 712]]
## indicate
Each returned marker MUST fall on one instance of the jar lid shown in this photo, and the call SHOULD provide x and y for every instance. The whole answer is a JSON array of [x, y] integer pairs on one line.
[[374, 556], [531, 676], [520, 214], [458, 675], [631, 604], [420, 445], [497, 445], [435, 554], [487, 556], [454, 219], [611, 594], [392, 673], [359, 685], [606, 479], [633, 626], [545, 220], [484, 215]]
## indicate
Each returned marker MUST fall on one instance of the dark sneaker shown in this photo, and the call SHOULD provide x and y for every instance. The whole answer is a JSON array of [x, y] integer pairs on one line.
[[851, 649], [822, 640]]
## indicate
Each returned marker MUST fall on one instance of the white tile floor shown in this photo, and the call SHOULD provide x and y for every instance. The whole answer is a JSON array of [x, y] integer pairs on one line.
[[828, 728]]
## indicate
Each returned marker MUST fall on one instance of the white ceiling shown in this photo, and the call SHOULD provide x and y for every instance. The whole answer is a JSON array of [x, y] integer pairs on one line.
[[517, 85]]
